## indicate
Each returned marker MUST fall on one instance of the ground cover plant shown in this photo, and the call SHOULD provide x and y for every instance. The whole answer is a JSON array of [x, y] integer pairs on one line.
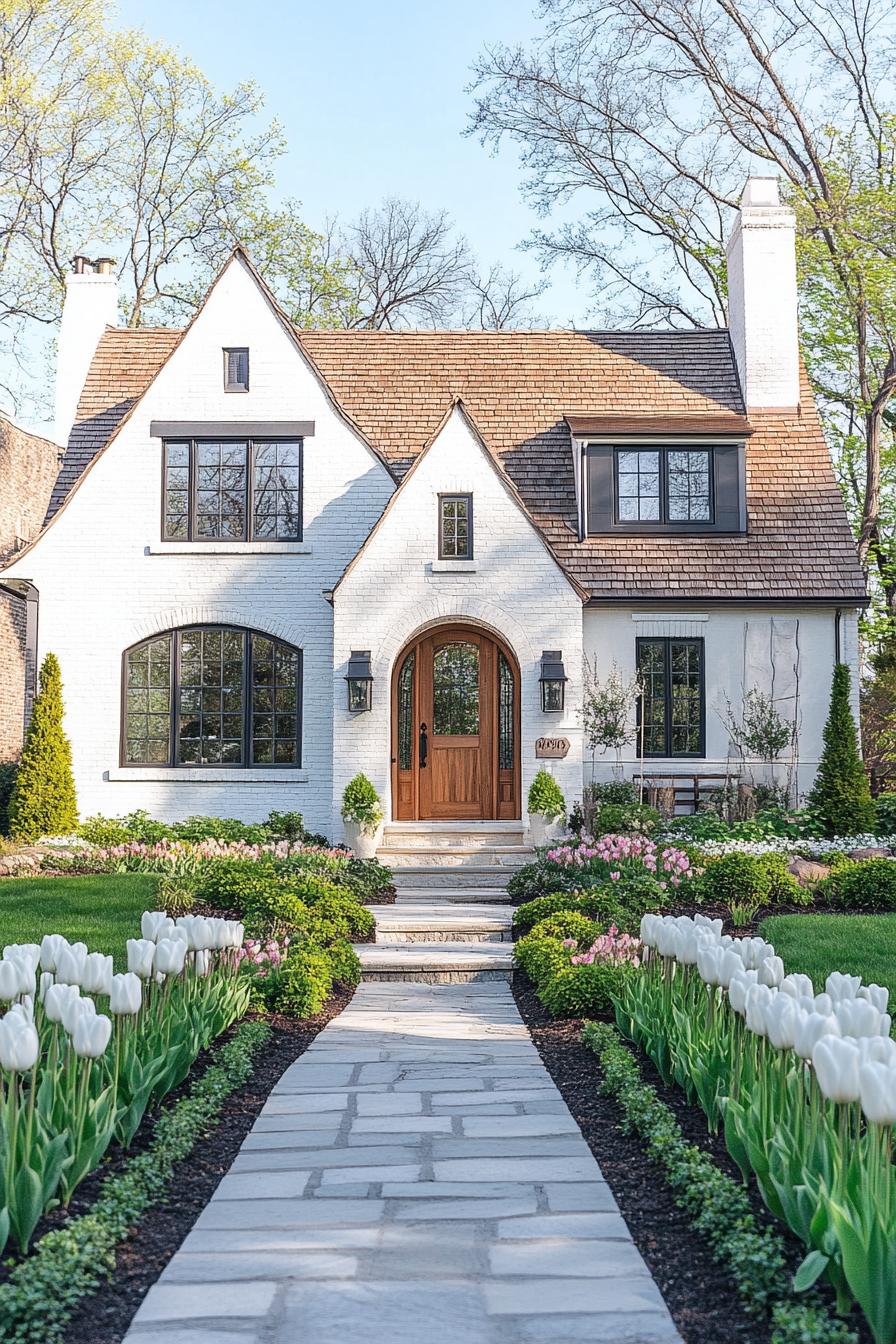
[[803, 1084], [101, 910]]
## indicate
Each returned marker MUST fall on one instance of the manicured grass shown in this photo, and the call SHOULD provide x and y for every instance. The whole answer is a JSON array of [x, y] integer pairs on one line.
[[102, 911], [862, 945]]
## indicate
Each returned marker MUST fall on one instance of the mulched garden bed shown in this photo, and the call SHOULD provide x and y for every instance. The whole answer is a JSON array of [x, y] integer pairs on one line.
[[105, 1317], [700, 1295]]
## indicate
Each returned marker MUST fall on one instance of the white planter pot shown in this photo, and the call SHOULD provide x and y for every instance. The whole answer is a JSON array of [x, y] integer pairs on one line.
[[544, 830], [364, 844]]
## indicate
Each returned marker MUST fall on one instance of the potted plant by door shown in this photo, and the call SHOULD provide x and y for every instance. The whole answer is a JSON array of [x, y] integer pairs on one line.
[[363, 817], [547, 808]]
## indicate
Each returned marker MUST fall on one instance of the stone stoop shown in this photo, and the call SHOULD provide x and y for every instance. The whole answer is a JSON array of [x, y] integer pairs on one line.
[[451, 921]]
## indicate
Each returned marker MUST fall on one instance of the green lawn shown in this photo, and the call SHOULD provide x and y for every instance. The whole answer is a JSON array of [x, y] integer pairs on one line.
[[862, 945], [102, 911]]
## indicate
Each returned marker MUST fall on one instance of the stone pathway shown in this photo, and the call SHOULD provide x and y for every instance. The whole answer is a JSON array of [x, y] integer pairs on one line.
[[415, 1176]]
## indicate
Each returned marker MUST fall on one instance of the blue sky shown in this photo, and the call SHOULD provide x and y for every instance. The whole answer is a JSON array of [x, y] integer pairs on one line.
[[371, 98]]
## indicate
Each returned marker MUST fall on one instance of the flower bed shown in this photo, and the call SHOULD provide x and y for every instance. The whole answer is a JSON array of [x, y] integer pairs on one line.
[[804, 1084]]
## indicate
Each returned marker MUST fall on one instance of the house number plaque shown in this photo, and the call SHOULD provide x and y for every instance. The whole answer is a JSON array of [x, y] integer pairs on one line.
[[551, 748]]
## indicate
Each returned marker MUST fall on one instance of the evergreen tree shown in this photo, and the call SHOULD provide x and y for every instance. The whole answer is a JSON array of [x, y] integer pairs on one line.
[[840, 795], [43, 799]]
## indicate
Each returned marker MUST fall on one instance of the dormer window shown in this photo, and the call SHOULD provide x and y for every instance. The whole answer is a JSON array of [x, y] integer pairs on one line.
[[236, 369], [664, 487], [455, 527]]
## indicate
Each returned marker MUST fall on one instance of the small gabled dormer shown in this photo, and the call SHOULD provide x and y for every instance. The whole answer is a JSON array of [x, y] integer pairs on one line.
[[647, 475]]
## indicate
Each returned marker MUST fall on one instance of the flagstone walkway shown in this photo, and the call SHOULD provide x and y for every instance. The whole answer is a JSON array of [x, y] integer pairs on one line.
[[415, 1176]]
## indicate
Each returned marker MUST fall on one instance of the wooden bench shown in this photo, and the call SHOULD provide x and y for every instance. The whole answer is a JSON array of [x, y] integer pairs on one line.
[[688, 791]]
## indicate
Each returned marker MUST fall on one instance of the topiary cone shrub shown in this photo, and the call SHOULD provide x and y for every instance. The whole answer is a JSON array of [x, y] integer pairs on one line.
[[43, 800], [840, 796]]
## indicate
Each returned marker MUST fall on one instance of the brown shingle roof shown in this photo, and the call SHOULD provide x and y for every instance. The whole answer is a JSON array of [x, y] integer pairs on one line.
[[519, 388]]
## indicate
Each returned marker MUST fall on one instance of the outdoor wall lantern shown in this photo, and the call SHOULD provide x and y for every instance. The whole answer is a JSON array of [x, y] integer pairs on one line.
[[360, 681], [553, 681]]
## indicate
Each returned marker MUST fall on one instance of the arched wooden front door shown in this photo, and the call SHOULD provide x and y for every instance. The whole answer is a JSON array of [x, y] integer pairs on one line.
[[455, 728]]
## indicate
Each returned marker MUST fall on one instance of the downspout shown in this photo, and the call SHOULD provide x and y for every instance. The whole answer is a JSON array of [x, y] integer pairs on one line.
[[838, 617]]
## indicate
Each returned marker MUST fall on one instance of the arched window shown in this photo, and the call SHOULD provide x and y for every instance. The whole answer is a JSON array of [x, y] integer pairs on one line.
[[212, 695]]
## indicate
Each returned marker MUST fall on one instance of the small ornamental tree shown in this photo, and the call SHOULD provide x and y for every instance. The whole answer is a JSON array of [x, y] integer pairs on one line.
[[840, 796], [361, 804], [43, 799], [545, 796]]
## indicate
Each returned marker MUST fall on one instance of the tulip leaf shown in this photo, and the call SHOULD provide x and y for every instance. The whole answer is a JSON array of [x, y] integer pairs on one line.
[[810, 1271]]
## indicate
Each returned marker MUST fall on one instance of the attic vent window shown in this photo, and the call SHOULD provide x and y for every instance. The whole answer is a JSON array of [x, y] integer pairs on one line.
[[236, 370]]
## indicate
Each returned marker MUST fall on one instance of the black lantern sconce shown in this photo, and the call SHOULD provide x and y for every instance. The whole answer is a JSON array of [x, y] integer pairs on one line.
[[553, 682], [360, 681]]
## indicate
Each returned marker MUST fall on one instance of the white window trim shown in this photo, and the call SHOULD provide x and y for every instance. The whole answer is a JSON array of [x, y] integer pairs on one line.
[[228, 548], [203, 774], [453, 567]]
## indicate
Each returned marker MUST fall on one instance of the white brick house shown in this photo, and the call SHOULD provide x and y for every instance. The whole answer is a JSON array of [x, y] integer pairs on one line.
[[452, 506]]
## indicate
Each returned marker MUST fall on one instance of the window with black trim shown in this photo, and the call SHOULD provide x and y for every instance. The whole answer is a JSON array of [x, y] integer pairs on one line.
[[672, 710], [232, 490], [642, 487], [455, 527], [236, 369], [212, 695]]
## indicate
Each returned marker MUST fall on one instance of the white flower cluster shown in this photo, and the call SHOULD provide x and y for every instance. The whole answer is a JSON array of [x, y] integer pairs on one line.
[[165, 943], [780, 844], [844, 1032]]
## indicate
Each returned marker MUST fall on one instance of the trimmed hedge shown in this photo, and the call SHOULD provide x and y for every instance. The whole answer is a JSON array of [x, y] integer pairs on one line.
[[564, 989]]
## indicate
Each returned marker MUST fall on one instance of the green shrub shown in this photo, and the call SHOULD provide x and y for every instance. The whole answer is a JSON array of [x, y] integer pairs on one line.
[[869, 885], [8, 772], [783, 888], [584, 991], [345, 968], [350, 919], [43, 798], [621, 818], [545, 796], [366, 877], [620, 791], [176, 896], [304, 982], [540, 879], [619, 903], [274, 911], [568, 924], [361, 804], [884, 807], [289, 826], [840, 796], [540, 957], [749, 881], [104, 831]]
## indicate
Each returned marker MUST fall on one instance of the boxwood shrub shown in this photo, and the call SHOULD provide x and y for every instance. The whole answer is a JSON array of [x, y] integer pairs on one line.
[[870, 885]]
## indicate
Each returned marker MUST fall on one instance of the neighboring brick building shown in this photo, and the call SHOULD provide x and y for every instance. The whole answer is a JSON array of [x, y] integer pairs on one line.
[[28, 469], [252, 522]]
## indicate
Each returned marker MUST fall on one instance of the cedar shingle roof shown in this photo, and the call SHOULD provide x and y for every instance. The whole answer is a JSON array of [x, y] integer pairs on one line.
[[519, 388]]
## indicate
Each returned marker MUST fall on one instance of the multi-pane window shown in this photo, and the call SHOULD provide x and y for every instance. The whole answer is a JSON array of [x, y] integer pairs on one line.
[[212, 695], [236, 369], [672, 707], [455, 527], [233, 490], [664, 485]]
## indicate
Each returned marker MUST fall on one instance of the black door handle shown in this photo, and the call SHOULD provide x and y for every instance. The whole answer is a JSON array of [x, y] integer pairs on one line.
[[424, 745]]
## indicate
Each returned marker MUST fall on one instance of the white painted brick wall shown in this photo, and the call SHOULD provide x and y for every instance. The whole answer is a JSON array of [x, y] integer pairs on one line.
[[391, 594]]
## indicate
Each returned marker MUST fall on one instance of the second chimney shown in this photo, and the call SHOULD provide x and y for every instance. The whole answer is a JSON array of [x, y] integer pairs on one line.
[[762, 301], [91, 304]]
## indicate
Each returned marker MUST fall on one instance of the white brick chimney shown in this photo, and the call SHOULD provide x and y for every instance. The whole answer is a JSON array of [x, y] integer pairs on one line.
[[762, 312], [91, 304]]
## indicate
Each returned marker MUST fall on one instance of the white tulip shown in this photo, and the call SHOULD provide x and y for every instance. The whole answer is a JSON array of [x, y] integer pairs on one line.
[[125, 994], [19, 1045], [170, 956], [730, 966], [841, 986], [56, 998], [92, 1035], [47, 979], [24, 1011], [877, 1049], [30, 951], [10, 980], [70, 965], [836, 1063], [140, 956], [771, 971], [783, 1020], [667, 940], [178, 935], [714, 925], [824, 1004], [202, 960], [153, 924], [877, 1093], [812, 1027], [648, 930], [50, 945], [737, 990], [97, 975], [797, 986], [201, 934], [879, 995], [74, 1010], [858, 1017], [756, 1006]]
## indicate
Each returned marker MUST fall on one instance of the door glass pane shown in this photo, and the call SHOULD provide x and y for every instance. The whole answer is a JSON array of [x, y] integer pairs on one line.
[[405, 712], [455, 690], [505, 714]]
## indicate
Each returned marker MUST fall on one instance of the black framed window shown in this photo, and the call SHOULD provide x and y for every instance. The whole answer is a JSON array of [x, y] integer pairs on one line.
[[455, 527], [232, 490], [673, 709], [665, 488], [212, 695], [664, 485], [236, 369]]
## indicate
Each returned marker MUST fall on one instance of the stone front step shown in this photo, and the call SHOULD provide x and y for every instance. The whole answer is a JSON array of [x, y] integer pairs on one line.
[[436, 962], [454, 856], [429, 835], [449, 896], [421, 922], [417, 877]]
